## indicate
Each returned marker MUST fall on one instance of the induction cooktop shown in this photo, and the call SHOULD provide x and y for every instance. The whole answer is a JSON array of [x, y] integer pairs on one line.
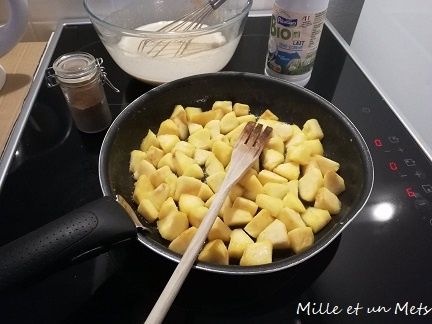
[[378, 271]]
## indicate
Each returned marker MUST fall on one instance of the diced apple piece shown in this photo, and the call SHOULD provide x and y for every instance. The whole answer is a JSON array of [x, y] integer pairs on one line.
[[316, 218], [224, 106], [258, 223], [195, 171], [215, 180], [300, 154], [154, 154], [244, 180], [181, 242], [325, 199], [213, 165], [271, 159], [148, 210], [268, 114], [183, 130], [241, 109], [189, 202], [236, 217], [277, 190], [225, 205], [167, 207], [179, 113], [309, 185], [246, 118], [238, 243], [160, 175], [196, 215], [201, 156], [136, 157], [149, 140], [293, 187], [204, 117], [159, 195], [214, 127], [268, 176], [301, 239], [257, 253], [312, 129], [282, 130], [214, 252], [253, 187], [205, 192], [171, 181], [236, 191], [276, 143], [182, 162], [276, 233], [184, 147], [167, 142], [235, 133], [173, 225], [219, 230], [292, 201], [315, 146], [334, 182], [190, 111], [326, 164], [168, 127], [228, 123], [313, 164], [167, 160], [245, 204], [290, 218], [192, 128], [296, 138], [187, 185], [201, 139], [222, 152], [289, 170], [143, 188], [272, 204], [144, 167]]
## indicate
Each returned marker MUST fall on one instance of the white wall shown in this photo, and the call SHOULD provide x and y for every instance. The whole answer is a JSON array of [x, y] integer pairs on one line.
[[393, 40]]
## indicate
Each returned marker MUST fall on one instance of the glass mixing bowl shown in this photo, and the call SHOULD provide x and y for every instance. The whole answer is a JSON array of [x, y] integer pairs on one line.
[[129, 30]]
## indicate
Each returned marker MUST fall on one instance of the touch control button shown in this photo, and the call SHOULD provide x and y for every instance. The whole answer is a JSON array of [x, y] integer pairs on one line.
[[427, 188]]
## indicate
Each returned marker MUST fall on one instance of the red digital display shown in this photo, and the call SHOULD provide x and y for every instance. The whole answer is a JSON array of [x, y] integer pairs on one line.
[[393, 166], [378, 142], [410, 193]]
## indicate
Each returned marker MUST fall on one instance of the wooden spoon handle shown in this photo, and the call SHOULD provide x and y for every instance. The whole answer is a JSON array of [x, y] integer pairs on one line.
[[174, 284]]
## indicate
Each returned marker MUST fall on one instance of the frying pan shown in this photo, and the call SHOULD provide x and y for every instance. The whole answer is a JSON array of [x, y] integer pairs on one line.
[[96, 227]]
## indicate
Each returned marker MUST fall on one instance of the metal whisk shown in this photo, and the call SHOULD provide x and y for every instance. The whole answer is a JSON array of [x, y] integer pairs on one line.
[[190, 21]]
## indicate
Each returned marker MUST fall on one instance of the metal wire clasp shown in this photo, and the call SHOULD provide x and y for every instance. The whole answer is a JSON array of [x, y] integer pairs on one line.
[[50, 77], [104, 75]]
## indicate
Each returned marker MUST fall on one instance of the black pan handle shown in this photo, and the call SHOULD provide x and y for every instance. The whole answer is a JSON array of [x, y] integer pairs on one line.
[[89, 230]]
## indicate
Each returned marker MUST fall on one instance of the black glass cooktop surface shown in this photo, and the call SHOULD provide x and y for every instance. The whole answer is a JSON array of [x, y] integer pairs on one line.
[[378, 271]]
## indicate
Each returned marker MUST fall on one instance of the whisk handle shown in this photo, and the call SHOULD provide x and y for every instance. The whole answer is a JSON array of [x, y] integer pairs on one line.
[[216, 3]]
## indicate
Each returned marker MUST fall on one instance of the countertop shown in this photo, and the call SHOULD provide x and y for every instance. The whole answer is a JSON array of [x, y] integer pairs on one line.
[[21, 64]]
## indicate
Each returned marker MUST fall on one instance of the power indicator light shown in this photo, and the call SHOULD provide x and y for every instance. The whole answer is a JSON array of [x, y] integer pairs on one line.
[[410, 193], [378, 142], [393, 166]]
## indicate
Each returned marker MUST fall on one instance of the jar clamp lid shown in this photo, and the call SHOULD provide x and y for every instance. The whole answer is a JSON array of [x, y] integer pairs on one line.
[[76, 68]]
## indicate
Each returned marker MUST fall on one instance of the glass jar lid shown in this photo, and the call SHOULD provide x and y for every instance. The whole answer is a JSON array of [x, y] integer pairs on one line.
[[75, 67]]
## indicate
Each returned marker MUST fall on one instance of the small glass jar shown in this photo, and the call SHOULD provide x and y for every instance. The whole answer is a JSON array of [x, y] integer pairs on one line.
[[81, 78]]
